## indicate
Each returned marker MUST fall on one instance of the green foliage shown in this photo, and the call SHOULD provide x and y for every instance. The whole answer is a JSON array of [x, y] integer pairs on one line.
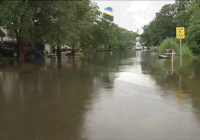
[[74, 23], [181, 13], [171, 43], [42, 21], [161, 27], [111, 35], [186, 51], [103, 50], [193, 31]]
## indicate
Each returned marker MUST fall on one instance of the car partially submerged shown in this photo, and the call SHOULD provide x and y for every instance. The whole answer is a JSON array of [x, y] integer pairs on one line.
[[67, 50], [63, 48], [11, 48]]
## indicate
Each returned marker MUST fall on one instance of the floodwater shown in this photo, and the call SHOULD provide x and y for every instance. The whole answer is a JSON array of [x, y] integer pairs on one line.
[[123, 96]]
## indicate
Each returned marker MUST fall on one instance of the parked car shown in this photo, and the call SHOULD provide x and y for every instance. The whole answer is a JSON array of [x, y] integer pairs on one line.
[[62, 48], [10, 48], [66, 47]]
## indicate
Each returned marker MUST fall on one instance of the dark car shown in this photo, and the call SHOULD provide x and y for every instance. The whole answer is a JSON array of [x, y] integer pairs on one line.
[[10, 48]]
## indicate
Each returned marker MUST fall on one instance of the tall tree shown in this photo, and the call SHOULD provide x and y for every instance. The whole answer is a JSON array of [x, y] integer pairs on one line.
[[193, 30], [41, 21]]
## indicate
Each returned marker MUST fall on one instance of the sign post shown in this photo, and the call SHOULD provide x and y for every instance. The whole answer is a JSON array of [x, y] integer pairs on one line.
[[180, 53], [180, 34], [169, 51]]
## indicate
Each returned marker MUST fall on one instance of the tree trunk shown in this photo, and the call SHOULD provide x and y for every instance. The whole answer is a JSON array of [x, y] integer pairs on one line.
[[58, 51], [59, 62], [22, 45]]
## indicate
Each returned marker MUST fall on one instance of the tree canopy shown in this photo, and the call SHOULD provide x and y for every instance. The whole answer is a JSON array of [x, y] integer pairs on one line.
[[182, 13], [61, 22]]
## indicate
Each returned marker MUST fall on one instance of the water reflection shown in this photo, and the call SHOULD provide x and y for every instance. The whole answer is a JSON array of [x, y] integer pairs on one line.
[[184, 83], [180, 82], [117, 96]]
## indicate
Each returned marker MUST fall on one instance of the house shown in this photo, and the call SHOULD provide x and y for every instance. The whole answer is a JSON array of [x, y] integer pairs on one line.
[[3, 35], [49, 47]]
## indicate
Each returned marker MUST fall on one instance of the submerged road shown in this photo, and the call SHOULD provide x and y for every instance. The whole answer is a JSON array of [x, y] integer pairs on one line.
[[123, 96]]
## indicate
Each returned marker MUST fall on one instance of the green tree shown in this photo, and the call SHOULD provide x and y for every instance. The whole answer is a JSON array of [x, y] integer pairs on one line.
[[112, 36], [41, 21], [150, 36], [183, 15], [165, 22], [193, 31]]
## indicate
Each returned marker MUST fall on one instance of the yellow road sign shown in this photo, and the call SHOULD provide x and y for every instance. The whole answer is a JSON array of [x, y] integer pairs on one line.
[[180, 32]]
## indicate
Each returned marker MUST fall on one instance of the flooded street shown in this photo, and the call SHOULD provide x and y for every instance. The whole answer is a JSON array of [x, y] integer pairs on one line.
[[123, 96]]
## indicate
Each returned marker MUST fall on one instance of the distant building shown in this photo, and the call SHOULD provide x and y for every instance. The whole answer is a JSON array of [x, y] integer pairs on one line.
[[48, 46]]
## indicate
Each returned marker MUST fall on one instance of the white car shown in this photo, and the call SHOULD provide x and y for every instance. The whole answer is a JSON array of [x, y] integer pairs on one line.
[[63, 48], [66, 47]]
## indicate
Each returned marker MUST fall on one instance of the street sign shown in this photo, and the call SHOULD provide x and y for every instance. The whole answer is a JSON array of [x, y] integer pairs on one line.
[[180, 32]]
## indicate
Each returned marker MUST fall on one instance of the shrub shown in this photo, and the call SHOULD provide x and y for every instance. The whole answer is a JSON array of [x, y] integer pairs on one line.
[[195, 48], [186, 51], [170, 43]]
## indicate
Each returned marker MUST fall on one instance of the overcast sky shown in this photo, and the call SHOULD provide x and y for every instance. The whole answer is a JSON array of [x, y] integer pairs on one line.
[[132, 14]]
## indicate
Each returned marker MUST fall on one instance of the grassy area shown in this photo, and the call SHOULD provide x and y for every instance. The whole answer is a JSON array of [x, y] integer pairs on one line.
[[54, 54], [102, 50]]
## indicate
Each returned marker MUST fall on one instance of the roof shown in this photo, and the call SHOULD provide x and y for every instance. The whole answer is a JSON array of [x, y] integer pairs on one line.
[[3, 33]]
